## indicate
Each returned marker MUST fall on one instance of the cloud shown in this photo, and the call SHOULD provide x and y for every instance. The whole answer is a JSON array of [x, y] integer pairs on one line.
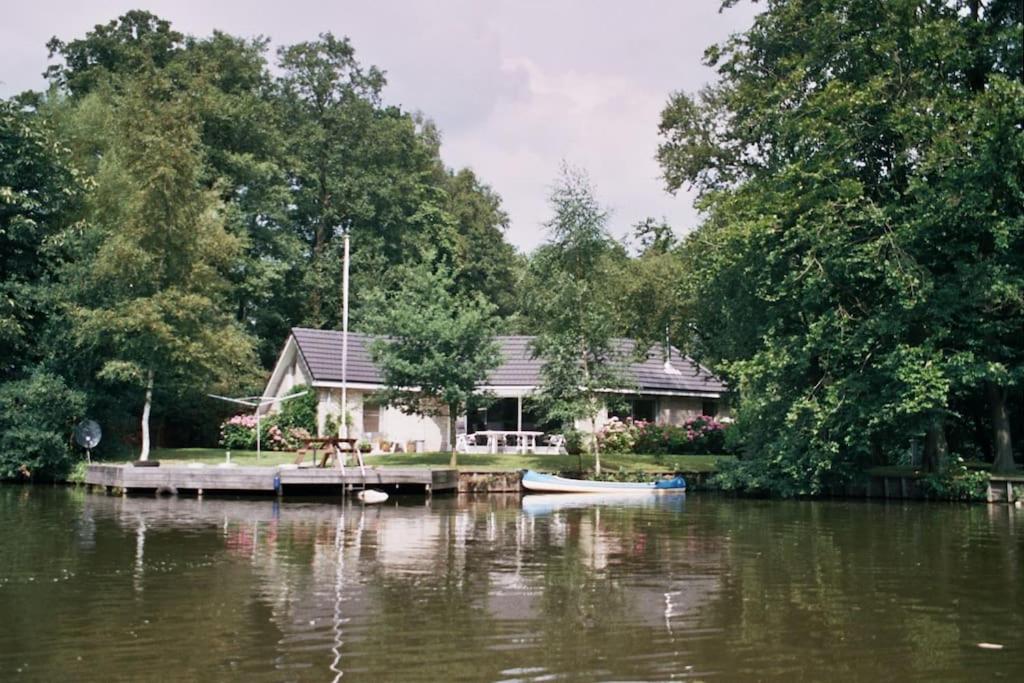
[[516, 86]]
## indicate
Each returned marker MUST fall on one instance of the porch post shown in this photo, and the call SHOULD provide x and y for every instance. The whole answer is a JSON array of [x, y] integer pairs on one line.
[[519, 423]]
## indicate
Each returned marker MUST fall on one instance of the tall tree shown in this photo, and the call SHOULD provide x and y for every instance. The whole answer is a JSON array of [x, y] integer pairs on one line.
[[821, 279], [134, 42], [40, 191], [152, 295], [487, 263], [359, 168], [437, 344], [651, 301], [575, 320]]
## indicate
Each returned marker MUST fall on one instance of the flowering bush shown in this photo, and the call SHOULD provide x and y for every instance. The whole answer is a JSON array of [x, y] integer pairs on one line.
[[239, 433], [699, 435], [620, 436]]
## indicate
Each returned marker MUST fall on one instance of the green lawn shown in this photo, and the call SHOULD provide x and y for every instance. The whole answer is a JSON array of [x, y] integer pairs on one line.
[[467, 462]]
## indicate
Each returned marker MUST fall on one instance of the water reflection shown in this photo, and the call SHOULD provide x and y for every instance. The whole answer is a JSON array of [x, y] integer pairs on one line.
[[496, 588]]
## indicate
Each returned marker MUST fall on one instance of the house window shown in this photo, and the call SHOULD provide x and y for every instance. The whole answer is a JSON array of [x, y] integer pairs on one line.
[[371, 418], [709, 408], [645, 409]]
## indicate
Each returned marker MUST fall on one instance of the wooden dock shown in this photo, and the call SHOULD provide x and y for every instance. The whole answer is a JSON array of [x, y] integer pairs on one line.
[[200, 479]]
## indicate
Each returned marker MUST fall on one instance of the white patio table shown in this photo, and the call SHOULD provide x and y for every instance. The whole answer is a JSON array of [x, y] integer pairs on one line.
[[526, 441]]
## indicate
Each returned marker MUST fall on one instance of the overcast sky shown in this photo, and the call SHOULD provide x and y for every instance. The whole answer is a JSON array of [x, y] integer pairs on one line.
[[516, 86]]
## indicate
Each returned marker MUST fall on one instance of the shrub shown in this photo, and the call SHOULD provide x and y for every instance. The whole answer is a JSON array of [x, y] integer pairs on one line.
[[701, 435], [704, 435], [619, 436], [37, 416], [956, 483], [298, 413], [573, 441], [238, 432]]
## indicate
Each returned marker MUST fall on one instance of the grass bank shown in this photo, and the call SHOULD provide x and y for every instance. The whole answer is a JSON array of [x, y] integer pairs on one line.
[[692, 464]]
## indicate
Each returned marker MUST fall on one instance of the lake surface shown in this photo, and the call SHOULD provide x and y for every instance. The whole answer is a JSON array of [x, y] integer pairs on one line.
[[96, 587]]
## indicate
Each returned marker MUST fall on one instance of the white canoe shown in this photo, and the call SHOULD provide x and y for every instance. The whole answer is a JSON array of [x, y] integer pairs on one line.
[[549, 483]]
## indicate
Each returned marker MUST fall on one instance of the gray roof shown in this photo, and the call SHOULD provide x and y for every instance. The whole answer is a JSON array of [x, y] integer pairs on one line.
[[321, 351]]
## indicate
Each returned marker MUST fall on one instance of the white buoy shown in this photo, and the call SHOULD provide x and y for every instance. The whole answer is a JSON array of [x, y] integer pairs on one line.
[[371, 496]]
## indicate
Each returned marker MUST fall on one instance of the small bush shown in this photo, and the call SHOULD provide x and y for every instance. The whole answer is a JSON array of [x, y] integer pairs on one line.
[[956, 483], [620, 436], [701, 435], [37, 416], [239, 433], [299, 413], [573, 441]]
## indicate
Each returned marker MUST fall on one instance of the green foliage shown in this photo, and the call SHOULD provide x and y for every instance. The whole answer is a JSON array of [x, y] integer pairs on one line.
[[486, 262], [700, 435], [208, 164], [574, 443], [37, 416], [437, 344], [77, 473], [299, 413], [150, 290], [635, 476], [956, 483], [575, 317], [136, 41], [239, 432], [860, 267], [39, 188]]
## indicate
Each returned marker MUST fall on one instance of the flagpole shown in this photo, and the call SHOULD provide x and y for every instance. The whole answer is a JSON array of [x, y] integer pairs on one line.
[[344, 344]]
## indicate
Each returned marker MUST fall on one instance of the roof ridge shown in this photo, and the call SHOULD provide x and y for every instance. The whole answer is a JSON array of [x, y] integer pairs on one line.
[[518, 368]]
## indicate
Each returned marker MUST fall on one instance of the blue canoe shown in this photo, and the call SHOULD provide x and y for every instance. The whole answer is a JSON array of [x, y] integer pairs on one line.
[[535, 481]]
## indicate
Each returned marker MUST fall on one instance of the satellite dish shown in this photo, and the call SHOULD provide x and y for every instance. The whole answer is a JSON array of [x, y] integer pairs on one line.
[[88, 435]]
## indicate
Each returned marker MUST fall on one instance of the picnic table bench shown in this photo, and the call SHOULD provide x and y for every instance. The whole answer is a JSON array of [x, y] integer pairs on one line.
[[333, 446]]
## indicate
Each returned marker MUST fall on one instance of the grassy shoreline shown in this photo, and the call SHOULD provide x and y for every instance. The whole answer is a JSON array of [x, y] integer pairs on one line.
[[628, 462]]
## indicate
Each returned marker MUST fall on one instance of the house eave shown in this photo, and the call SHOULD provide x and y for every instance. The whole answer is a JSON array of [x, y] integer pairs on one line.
[[512, 391]]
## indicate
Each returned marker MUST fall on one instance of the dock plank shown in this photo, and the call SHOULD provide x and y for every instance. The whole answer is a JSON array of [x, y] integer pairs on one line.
[[264, 478]]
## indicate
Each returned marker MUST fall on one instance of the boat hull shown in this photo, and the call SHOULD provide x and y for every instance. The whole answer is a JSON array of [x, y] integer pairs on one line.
[[537, 504], [549, 483]]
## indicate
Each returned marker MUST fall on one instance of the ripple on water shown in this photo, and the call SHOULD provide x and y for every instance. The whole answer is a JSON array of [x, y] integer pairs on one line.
[[95, 587]]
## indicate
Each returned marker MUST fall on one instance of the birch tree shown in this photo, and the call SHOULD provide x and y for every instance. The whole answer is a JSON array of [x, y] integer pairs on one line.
[[151, 301], [574, 309]]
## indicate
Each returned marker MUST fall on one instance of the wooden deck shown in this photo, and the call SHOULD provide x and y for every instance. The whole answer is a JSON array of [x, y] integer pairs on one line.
[[265, 479]]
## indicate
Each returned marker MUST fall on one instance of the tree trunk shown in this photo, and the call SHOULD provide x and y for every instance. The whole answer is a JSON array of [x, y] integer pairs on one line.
[[453, 416], [594, 445], [144, 455], [936, 450], [1002, 448]]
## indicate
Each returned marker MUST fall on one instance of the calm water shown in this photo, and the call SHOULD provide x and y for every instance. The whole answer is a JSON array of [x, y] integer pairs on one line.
[[107, 588]]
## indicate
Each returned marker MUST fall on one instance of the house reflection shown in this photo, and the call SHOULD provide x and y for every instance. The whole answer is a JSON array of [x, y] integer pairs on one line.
[[487, 564]]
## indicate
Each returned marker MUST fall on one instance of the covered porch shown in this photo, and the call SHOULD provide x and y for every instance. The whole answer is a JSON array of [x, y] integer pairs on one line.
[[506, 425]]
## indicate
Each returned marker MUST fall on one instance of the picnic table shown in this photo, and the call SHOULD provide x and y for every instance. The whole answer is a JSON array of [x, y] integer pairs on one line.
[[333, 446], [526, 441]]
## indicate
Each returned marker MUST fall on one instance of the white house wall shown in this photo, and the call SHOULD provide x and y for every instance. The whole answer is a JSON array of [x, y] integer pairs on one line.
[[293, 374], [674, 410], [329, 404], [395, 425]]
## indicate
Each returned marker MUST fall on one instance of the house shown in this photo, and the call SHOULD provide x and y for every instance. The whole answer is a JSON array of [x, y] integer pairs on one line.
[[665, 390]]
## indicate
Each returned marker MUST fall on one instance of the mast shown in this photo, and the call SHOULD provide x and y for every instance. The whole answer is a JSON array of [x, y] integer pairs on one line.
[[344, 345]]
